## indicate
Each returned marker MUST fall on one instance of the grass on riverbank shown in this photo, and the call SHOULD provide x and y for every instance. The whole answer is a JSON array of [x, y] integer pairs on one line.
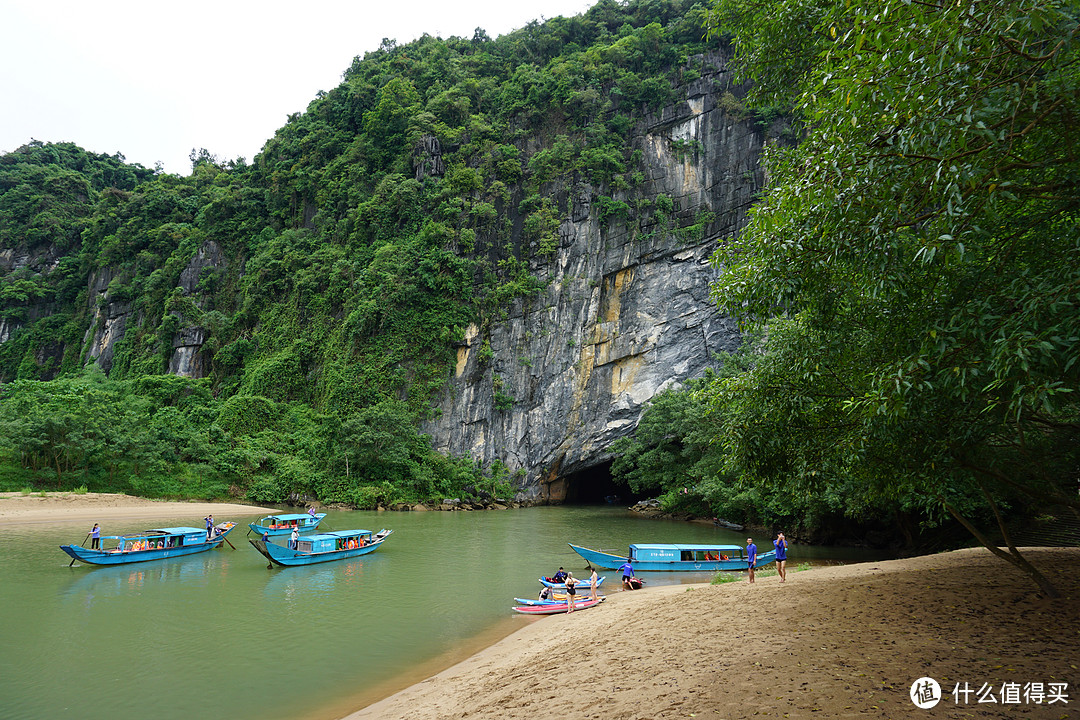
[[728, 577]]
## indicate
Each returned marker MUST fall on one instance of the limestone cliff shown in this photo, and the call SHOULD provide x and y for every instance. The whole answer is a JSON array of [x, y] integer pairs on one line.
[[626, 310]]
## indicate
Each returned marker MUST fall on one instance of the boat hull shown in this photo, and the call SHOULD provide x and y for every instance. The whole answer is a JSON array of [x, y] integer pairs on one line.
[[609, 561], [288, 557], [556, 608], [107, 557]]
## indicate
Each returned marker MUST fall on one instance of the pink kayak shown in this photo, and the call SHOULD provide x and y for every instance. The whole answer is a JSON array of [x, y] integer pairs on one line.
[[554, 609]]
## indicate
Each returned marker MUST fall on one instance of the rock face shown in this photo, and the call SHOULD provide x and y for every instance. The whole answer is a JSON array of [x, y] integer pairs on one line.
[[187, 359], [626, 312], [109, 320]]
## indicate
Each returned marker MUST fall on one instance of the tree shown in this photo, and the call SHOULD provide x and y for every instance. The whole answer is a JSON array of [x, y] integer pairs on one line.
[[915, 257]]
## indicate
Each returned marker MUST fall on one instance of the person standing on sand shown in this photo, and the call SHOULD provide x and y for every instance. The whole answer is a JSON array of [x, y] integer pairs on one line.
[[95, 537], [751, 556], [781, 555], [593, 580], [571, 581]]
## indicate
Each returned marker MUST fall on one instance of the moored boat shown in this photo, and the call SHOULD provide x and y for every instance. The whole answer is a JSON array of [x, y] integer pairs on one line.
[[645, 557], [154, 544], [285, 523], [323, 547], [555, 608]]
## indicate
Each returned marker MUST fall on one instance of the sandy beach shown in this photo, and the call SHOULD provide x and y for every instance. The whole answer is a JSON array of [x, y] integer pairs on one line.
[[831, 642], [59, 507]]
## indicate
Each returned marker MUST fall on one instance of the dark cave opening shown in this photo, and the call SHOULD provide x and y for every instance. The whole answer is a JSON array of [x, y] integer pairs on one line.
[[594, 485]]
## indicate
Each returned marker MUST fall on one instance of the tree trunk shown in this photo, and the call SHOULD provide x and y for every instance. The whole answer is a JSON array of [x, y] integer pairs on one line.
[[1012, 557]]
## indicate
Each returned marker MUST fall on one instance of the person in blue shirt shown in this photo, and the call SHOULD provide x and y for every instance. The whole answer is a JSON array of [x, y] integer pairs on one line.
[[559, 576], [627, 573], [95, 537], [781, 555], [751, 556]]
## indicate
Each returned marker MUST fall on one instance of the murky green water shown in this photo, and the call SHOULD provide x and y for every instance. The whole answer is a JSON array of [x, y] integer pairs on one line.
[[219, 633]]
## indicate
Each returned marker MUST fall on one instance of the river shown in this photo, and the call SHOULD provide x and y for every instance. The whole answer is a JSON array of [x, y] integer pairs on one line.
[[220, 634]]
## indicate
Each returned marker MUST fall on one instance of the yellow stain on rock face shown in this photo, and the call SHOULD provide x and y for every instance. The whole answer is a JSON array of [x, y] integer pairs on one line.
[[612, 297], [622, 375], [471, 333], [462, 360]]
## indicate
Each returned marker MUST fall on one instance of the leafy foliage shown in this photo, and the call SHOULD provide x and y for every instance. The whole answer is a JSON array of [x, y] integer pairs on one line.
[[915, 258]]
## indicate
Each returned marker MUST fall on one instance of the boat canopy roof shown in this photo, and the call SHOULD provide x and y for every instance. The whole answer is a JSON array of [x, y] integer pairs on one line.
[[289, 516], [683, 546], [336, 534], [159, 531]]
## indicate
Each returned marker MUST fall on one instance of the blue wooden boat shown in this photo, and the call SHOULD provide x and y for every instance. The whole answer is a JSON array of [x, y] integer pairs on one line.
[[283, 523], [581, 586], [155, 544], [676, 557], [323, 547]]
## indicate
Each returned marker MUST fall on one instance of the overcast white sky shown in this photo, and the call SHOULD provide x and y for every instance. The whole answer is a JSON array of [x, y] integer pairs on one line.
[[152, 79]]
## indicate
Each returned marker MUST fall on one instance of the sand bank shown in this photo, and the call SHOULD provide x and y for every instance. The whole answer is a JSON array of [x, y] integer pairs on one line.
[[835, 642], [62, 507]]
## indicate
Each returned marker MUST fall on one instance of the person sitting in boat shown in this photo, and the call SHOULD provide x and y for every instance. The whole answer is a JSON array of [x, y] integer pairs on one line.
[[559, 576]]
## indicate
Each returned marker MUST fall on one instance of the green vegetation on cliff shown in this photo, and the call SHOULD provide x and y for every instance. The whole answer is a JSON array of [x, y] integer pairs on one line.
[[326, 282]]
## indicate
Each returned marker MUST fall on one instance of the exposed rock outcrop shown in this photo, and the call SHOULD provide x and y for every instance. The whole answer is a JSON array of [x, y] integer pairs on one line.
[[626, 312]]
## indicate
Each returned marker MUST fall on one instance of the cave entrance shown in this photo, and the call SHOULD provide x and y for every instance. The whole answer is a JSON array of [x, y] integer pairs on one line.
[[594, 485]]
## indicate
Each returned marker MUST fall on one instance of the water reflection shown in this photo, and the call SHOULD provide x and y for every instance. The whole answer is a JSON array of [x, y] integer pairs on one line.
[[307, 583], [98, 582]]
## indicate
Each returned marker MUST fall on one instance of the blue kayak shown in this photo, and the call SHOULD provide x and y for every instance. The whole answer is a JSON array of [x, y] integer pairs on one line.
[[581, 584]]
